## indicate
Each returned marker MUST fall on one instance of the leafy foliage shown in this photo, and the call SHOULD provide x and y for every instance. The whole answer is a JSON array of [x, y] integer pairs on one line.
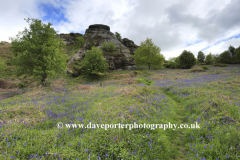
[[187, 59], [118, 35], [149, 54], [200, 56], [209, 59], [144, 80], [80, 41], [215, 57], [220, 65], [3, 65], [225, 57], [109, 46], [231, 49], [38, 53], [93, 63], [205, 67], [174, 63], [237, 55]]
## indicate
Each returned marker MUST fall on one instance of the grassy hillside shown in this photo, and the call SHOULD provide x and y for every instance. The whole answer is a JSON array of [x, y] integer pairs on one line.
[[210, 98]]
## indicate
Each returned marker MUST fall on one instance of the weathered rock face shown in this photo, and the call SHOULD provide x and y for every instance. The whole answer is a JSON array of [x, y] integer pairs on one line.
[[71, 38], [95, 35], [130, 44]]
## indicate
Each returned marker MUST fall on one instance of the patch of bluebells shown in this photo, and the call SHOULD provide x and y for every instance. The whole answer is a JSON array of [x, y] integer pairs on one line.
[[13, 93], [191, 82]]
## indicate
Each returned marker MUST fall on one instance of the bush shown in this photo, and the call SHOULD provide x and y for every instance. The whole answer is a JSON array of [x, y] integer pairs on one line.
[[93, 63], [209, 59], [205, 68], [80, 41], [3, 65], [173, 63], [220, 65], [200, 56], [145, 81], [118, 35], [187, 59], [199, 69], [224, 57], [109, 46], [236, 57]]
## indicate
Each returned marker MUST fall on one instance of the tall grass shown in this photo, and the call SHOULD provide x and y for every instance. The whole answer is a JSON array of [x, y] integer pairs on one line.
[[29, 120]]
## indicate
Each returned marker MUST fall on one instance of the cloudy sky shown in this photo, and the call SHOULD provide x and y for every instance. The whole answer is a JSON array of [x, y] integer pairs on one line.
[[173, 25]]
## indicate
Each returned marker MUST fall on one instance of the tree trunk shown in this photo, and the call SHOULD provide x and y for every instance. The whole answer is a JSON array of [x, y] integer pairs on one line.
[[43, 80], [148, 66]]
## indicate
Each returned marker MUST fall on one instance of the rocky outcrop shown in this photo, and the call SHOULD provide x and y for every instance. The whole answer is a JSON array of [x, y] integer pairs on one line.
[[95, 35], [71, 38], [130, 44]]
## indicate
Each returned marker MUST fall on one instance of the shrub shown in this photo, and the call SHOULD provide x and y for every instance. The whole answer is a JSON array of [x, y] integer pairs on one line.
[[145, 81], [209, 59], [118, 35], [236, 56], [224, 57], [146, 90], [205, 68], [135, 72], [199, 69], [109, 46], [80, 41], [220, 65], [173, 63], [93, 63], [200, 56], [187, 59], [3, 65], [21, 85]]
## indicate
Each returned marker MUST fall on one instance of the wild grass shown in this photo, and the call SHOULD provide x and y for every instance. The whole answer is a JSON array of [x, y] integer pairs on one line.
[[28, 120]]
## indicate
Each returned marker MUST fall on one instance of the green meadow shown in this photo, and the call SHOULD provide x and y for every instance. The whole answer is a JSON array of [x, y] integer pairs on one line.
[[210, 98]]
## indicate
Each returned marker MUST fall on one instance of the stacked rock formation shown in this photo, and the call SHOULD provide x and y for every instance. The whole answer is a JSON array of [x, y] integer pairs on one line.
[[95, 35], [130, 44], [71, 38]]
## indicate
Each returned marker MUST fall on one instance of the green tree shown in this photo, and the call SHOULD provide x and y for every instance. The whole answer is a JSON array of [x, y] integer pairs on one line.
[[225, 57], [93, 63], [201, 56], [149, 54], [231, 50], [109, 46], [38, 52], [118, 35], [215, 57], [187, 59], [237, 55], [209, 59], [174, 63], [80, 41]]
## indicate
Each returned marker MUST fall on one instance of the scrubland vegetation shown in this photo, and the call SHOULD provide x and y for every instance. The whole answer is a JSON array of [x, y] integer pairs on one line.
[[208, 95], [29, 116]]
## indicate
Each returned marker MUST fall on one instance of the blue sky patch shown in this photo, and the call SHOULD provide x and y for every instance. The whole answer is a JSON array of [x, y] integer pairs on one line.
[[205, 48], [52, 14], [224, 40], [196, 42], [236, 36]]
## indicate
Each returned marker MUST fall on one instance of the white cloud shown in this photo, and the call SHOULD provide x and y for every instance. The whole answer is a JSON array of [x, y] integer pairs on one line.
[[172, 25]]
